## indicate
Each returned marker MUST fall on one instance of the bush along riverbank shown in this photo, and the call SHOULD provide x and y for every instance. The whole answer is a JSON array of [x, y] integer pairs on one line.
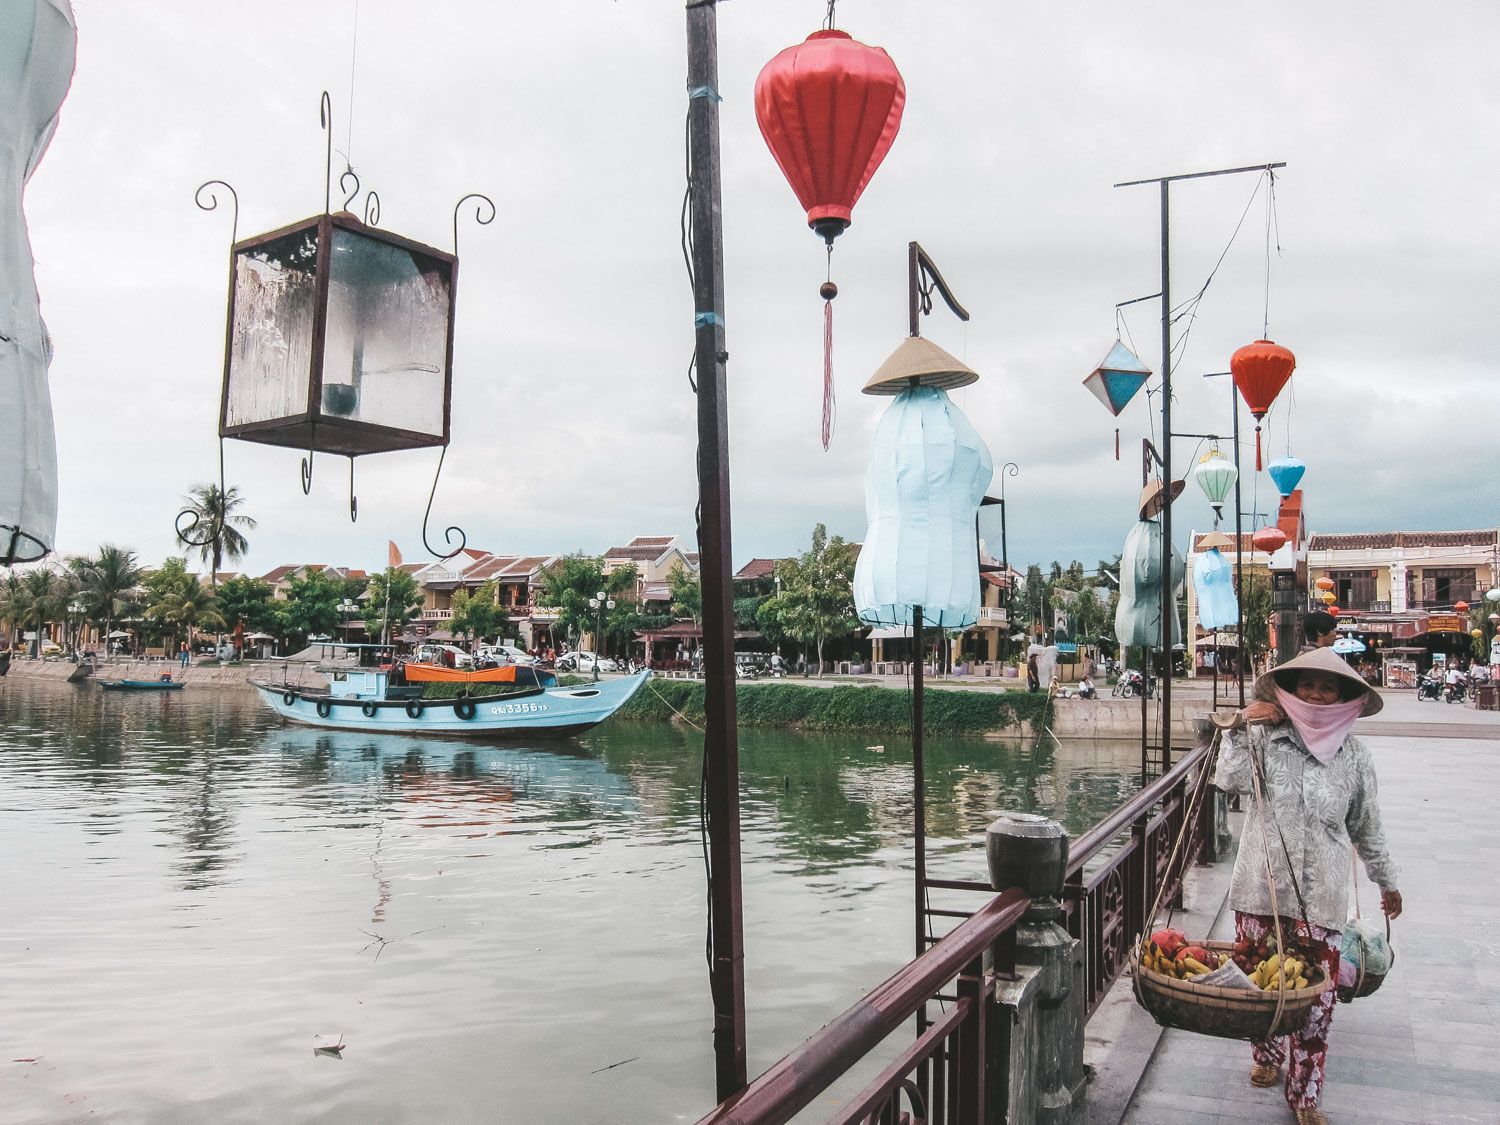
[[845, 708]]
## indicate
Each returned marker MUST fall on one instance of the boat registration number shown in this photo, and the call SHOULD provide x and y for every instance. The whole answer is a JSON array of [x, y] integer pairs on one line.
[[516, 708]]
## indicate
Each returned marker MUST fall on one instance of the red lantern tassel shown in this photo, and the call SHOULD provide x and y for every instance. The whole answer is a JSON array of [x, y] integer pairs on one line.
[[827, 374], [1257, 448], [1117, 443]]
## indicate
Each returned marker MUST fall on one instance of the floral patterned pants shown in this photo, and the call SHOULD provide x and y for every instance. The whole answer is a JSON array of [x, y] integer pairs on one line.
[[1304, 1075]]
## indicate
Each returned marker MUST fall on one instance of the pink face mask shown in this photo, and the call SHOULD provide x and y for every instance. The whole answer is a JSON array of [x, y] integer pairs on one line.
[[1322, 729]]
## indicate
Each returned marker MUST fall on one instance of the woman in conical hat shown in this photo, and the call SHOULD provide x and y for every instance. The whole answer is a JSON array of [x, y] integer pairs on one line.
[[1320, 794]]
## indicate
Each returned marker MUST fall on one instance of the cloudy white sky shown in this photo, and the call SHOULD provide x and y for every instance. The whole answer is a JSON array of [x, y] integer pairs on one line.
[[573, 422]]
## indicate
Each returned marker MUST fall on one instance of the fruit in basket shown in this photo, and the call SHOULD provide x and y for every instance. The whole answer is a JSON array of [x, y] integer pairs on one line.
[[1278, 972], [1169, 941]]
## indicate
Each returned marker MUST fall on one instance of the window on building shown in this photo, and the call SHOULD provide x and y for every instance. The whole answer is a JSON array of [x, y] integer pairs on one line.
[[1441, 586], [1353, 589]]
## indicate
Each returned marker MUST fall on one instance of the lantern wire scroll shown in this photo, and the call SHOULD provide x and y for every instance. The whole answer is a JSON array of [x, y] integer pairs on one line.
[[187, 521]]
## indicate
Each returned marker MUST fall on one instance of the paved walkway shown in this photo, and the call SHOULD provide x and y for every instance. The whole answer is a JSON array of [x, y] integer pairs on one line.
[[1426, 1047]]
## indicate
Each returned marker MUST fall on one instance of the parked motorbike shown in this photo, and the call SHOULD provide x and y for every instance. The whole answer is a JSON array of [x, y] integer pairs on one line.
[[1130, 684], [1429, 689]]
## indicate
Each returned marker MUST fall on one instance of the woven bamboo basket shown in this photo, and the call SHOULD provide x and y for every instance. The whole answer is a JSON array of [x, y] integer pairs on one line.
[[1367, 983], [1229, 1013]]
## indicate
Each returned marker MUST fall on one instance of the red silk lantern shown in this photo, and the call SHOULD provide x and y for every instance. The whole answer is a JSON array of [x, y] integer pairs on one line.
[[1461, 607], [1269, 539], [1333, 611], [1260, 371], [829, 109]]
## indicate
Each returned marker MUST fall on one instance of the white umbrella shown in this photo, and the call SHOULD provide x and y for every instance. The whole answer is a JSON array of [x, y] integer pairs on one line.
[[118, 635], [1347, 646]]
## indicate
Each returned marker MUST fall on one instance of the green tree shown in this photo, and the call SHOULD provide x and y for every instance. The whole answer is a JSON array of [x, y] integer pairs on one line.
[[186, 605], [816, 600], [251, 601], [12, 606], [43, 598], [569, 583], [393, 602], [107, 582], [477, 615], [312, 604], [1255, 608], [686, 593], [213, 530]]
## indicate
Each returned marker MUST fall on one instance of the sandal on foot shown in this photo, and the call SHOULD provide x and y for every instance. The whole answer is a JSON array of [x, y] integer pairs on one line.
[[1264, 1074], [1310, 1115]]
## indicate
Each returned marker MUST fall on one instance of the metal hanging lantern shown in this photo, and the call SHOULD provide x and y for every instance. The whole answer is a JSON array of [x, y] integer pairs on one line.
[[1286, 474], [829, 109], [1216, 475], [1260, 371], [1116, 380], [1269, 539], [340, 336]]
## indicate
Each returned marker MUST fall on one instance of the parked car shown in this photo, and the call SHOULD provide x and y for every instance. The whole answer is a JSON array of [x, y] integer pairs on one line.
[[503, 654], [449, 656], [584, 662]]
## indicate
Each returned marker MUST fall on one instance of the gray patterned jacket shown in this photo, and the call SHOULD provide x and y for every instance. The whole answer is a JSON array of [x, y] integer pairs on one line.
[[1321, 810]]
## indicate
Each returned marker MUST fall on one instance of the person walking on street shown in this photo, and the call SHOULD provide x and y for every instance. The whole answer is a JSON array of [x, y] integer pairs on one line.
[[1318, 805]]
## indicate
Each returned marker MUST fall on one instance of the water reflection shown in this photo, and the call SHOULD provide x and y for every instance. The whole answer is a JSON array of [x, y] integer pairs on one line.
[[185, 868]]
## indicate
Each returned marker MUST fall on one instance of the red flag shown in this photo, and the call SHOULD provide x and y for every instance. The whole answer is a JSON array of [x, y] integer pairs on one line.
[[392, 554]]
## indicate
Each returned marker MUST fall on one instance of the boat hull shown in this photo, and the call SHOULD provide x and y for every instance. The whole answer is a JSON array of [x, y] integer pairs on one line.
[[546, 712], [139, 685]]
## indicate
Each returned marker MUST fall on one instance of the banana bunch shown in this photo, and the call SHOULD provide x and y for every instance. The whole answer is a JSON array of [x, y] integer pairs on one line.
[[1280, 972], [1188, 962]]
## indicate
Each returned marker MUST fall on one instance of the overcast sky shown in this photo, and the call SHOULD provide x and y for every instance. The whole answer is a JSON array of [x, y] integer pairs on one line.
[[573, 422]]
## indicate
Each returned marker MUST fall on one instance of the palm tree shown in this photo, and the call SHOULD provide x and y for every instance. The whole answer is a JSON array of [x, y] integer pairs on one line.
[[44, 596], [211, 530], [107, 581], [12, 606], [187, 605]]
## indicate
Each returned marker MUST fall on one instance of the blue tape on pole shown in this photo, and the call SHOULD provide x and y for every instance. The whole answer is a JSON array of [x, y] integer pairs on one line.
[[704, 92], [707, 319]]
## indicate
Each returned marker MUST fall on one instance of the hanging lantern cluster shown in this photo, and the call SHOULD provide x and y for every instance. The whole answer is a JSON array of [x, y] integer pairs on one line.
[[829, 109], [1216, 475], [1260, 371]]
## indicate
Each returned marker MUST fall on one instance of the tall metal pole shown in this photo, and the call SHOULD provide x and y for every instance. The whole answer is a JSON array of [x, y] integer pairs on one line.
[[1009, 469], [1168, 591], [919, 776], [721, 748], [1239, 549]]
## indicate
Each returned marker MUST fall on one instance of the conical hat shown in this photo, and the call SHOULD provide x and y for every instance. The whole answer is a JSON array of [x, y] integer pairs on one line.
[[1152, 499], [1318, 660], [919, 358]]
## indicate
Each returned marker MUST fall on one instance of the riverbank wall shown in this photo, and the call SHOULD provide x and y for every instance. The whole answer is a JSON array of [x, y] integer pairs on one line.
[[970, 710]]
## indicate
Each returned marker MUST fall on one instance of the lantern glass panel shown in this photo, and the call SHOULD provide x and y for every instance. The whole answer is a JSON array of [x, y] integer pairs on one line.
[[271, 338], [386, 348]]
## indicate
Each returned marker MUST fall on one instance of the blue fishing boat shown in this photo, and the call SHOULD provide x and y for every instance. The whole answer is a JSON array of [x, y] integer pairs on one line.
[[363, 699], [164, 684]]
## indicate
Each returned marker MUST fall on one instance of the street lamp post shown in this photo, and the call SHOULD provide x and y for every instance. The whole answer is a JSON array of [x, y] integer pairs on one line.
[[346, 607], [1009, 469], [599, 603]]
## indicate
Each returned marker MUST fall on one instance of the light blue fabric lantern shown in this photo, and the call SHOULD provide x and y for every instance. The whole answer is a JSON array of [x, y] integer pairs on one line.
[[1213, 585], [38, 42], [1286, 472], [928, 472], [1138, 615]]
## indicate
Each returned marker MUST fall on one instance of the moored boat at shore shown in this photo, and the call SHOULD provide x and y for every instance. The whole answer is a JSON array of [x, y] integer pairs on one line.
[[164, 684], [363, 699]]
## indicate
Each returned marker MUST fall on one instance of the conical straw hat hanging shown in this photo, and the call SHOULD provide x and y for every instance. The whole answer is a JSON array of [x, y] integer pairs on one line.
[[919, 358]]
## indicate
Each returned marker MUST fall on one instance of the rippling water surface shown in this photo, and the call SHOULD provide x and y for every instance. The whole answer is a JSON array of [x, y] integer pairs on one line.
[[192, 893]]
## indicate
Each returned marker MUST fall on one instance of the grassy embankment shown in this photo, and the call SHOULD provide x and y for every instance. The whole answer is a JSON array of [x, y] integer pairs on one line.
[[842, 708]]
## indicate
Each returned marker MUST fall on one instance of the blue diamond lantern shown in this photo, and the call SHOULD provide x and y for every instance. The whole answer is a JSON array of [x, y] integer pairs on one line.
[[1116, 380], [1287, 473]]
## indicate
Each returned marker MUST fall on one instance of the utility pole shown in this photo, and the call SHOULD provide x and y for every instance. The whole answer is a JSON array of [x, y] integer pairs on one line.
[[721, 746]]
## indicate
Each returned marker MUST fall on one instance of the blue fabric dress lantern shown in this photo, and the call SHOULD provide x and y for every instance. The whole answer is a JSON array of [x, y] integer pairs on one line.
[[1138, 615], [1213, 586], [928, 472]]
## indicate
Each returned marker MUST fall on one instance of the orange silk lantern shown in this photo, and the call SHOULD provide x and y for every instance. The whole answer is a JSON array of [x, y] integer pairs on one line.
[[1269, 539], [1324, 583], [1260, 371], [829, 109], [1461, 607]]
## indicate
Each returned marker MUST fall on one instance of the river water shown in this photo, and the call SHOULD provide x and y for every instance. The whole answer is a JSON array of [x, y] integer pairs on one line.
[[193, 895]]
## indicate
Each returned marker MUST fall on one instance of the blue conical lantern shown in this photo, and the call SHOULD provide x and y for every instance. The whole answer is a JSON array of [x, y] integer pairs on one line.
[[1117, 379], [1286, 472]]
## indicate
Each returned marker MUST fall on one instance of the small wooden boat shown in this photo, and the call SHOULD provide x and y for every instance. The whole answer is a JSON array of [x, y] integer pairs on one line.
[[166, 683], [364, 699]]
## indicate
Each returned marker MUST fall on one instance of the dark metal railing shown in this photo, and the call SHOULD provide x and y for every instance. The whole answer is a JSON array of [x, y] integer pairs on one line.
[[941, 1075]]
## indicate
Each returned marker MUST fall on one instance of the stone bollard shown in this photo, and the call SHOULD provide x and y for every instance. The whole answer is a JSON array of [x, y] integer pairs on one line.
[[1038, 1050]]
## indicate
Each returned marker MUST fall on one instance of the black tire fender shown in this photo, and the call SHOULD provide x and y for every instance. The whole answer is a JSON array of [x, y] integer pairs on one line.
[[464, 709], [324, 708], [289, 697], [414, 710], [368, 710]]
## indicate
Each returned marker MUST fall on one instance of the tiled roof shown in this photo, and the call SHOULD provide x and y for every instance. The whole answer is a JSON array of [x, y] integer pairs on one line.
[[1387, 540], [636, 554], [653, 541], [656, 592], [757, 568], [692, 558]]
